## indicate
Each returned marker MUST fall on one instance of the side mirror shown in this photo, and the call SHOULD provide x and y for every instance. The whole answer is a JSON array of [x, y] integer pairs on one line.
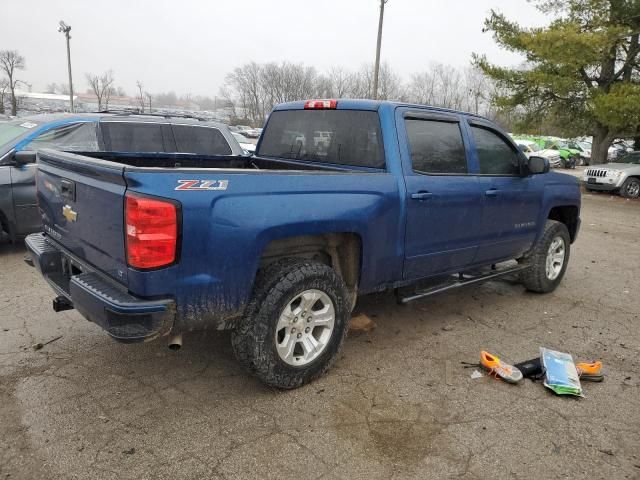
[[24, 157], [537, 165]]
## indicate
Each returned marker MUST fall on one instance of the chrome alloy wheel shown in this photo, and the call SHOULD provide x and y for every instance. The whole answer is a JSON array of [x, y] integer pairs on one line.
[[633, 189], [305, 327], [555, 258]]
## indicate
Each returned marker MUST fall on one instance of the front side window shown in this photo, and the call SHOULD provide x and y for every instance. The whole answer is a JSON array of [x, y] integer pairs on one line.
[[133, 137], [73, 137], [200, 140], [436, 147], [343, 137], [495, 155]]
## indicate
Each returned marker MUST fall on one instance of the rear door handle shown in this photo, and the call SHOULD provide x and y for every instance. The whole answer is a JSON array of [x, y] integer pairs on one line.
[[493, 192], [421, 196]]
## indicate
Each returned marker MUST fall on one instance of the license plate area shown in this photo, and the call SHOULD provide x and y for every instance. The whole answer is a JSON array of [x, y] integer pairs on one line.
[[592, 180]]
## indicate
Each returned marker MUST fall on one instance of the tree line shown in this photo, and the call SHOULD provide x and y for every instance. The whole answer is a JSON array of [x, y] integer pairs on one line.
[[254, 88]]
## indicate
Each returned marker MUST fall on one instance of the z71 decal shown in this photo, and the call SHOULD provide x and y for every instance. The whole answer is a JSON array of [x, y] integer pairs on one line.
[[202, 185]]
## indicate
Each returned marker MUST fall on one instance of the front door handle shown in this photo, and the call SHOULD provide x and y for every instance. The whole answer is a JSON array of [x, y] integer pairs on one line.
[[492, 192], [421, 196]]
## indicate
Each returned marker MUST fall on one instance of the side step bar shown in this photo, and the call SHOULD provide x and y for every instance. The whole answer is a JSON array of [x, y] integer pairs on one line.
[[462, 281]]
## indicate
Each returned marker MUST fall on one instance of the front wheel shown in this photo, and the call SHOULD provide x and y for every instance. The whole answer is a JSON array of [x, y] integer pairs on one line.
[[630, 188], [549, 258], [295, 323]]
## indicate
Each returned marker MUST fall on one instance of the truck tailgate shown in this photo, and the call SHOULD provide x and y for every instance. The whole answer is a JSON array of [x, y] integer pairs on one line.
[[82, 204]]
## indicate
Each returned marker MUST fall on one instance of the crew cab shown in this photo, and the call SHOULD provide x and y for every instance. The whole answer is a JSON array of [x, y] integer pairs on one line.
[[277, 247]]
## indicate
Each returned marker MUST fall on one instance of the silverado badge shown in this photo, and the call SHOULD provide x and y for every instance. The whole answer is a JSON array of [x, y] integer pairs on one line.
[[69, 214]]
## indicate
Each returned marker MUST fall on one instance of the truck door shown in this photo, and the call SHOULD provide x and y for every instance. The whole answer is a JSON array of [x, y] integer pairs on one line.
[[511, 202], [443, 202]]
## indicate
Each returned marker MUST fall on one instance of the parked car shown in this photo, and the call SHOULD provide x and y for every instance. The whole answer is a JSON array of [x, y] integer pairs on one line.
[[623, 176], [244, 142], [585, 151], [126, 133], [568, 155], [618, 149], [252, 133], [276, 247], [531, 148]]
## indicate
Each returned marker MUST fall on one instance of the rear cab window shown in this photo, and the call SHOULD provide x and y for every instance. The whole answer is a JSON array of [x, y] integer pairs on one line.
[[200, 140], [133, 137], [342, 137]]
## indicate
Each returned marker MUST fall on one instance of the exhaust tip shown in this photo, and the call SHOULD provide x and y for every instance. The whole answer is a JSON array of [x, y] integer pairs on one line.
[[175, 342]]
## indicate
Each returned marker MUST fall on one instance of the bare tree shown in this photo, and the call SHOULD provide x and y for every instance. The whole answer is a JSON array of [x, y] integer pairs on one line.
[[10, 61], [141, 99], [51, 88], [101, 87], [4, 85], [149, 98]]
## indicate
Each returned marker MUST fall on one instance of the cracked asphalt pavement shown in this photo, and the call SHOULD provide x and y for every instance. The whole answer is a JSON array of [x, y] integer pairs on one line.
[[397, 404]]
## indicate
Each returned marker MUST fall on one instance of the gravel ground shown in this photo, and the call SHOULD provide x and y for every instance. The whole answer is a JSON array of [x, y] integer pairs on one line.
[[398, 403]]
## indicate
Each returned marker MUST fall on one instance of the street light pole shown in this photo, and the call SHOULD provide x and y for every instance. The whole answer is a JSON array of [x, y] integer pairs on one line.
[[64, 28], [376, 68]]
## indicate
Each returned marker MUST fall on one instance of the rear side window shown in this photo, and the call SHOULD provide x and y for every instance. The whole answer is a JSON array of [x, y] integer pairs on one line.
[[344, 137], [496, 156], [200, 140], [133, 137], [436, 147], [74, 137]]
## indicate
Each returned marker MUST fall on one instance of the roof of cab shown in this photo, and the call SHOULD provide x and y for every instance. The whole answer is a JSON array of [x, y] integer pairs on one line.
[[116, 117], [362, 104]]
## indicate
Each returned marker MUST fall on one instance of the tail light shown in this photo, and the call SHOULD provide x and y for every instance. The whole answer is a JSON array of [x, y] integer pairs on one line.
[[152, 231], [320, 104]]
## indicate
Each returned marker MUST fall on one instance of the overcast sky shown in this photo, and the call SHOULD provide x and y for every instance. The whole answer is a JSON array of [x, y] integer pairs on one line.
[[188, 46]]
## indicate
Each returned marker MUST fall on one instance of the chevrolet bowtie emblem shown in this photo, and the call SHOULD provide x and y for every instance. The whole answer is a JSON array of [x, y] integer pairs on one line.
[[69, 214]]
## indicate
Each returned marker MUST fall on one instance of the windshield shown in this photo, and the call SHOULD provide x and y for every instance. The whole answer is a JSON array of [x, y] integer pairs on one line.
[[585, 145], [11, 131], [633, 158]]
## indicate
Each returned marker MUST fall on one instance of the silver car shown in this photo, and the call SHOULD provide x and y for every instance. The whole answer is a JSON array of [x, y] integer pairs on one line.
[[622, 176]]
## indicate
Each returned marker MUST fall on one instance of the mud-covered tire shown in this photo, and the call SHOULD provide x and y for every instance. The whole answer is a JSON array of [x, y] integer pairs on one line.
[[630, 188], [254, 340], [536, 277]]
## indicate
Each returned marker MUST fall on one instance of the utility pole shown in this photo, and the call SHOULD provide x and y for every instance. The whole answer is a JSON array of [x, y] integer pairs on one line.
[[376, 68], [64, 28]]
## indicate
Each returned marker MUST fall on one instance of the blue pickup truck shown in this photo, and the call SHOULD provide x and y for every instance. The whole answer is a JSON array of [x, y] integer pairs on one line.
[[342, 198]]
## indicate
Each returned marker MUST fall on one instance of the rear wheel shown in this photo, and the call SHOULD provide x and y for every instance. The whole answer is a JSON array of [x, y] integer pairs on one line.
[[295, 323], [630, 188], [548, 260]]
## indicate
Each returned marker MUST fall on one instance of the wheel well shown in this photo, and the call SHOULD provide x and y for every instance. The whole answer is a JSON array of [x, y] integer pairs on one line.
[[341, 251], [567, 215]]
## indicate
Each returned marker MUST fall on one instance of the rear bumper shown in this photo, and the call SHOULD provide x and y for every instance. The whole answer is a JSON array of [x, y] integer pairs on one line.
[[125, 317]]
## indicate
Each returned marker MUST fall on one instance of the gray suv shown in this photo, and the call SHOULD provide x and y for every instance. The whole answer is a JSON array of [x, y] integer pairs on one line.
[[92, 132], [622, 176]]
